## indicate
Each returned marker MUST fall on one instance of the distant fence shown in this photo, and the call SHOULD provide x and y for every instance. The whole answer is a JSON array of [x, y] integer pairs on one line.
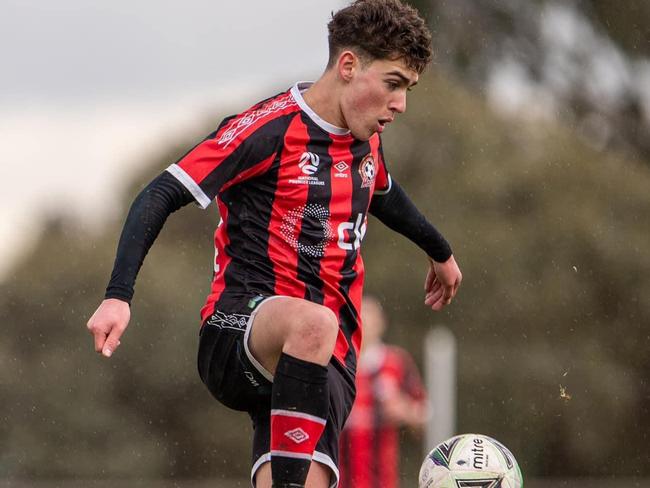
[[223, 483]]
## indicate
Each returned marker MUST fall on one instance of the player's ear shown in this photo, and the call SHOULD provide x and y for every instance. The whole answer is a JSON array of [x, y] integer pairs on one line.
[[347, 64]]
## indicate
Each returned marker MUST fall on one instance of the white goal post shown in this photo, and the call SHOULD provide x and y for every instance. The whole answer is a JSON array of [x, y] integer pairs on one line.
[[440, 379]]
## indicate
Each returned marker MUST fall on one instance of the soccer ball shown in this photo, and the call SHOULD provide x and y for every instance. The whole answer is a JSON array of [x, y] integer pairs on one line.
[[470, 460]]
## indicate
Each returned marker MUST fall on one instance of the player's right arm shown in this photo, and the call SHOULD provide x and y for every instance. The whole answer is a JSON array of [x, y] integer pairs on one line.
[[241, 148], [148, 213]]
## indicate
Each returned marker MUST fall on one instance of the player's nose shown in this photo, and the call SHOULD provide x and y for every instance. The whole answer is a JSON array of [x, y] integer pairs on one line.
[[398, 102]]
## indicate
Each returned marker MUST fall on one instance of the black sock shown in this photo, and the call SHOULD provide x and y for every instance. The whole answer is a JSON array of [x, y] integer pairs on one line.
[[299, 406]]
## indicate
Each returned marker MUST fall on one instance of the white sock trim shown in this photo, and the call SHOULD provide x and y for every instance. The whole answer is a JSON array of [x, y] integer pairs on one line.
[[319, 457], [300, 415]]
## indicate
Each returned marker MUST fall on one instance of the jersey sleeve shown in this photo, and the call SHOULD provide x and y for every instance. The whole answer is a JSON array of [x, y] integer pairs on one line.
[[230, 155], [383, 181]]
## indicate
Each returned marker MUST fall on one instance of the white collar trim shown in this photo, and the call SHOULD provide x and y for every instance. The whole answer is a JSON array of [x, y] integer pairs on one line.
[[296, 93]]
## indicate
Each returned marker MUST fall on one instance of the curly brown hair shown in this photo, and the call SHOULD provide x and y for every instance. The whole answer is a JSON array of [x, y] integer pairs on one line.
[[380, 29]]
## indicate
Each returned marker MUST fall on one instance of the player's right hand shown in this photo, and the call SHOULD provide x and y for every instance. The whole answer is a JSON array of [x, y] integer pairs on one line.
[[108, 323]]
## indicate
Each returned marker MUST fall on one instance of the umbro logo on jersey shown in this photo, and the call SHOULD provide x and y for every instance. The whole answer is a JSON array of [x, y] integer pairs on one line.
[[341, 167], [309, 163], [297, 435]]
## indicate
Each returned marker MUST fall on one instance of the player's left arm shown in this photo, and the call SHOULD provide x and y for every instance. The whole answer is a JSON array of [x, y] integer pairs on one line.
[[396, 210]]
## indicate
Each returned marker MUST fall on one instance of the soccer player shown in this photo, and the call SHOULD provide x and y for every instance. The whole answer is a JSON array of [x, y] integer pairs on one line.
[[294, 177], [390, 394]]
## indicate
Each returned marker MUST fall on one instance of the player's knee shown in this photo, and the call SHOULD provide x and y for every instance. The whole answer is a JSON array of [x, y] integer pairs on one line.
[[315, 331]]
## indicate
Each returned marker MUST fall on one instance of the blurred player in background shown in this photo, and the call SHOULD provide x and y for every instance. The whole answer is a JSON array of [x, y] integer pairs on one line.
[[390, 395], [294, 177]]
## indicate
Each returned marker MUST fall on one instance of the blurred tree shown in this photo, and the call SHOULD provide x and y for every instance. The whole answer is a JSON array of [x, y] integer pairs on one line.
[[583, 61], [628, 23]]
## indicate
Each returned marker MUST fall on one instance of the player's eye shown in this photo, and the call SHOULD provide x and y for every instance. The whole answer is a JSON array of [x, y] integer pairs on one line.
[[392, 85]]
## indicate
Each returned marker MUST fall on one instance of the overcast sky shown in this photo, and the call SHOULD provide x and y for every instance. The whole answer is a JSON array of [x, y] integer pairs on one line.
[[79, 50], [88, 88]]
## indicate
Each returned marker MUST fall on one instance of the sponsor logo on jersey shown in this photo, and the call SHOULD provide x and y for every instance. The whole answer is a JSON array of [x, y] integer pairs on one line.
[[318, 219], [297, 435], [367, 171], [341, 169], [351, 234]]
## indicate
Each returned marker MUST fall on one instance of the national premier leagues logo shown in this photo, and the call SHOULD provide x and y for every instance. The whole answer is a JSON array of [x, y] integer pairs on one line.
[[309, 163]]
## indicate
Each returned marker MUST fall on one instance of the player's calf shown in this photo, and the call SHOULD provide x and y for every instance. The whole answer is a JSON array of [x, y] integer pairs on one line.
[[300, 401]]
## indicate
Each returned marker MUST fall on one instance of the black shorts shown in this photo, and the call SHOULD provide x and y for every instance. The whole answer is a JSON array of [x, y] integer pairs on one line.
[[240, 382]]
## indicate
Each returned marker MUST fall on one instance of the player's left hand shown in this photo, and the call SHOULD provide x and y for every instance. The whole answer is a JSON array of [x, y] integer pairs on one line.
[[441, 284]]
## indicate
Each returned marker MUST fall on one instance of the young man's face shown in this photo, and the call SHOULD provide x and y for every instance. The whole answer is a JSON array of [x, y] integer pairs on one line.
[[375, 94]]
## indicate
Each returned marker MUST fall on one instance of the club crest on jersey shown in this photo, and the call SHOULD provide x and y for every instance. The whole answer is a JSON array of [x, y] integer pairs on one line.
[[367, 171]]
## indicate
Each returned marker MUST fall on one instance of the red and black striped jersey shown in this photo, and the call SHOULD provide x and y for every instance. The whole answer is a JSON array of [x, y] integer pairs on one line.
[[370, 442], [293, 193]]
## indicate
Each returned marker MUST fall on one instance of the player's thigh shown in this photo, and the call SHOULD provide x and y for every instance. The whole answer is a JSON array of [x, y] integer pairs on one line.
[[277, 320], [318, 476]]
